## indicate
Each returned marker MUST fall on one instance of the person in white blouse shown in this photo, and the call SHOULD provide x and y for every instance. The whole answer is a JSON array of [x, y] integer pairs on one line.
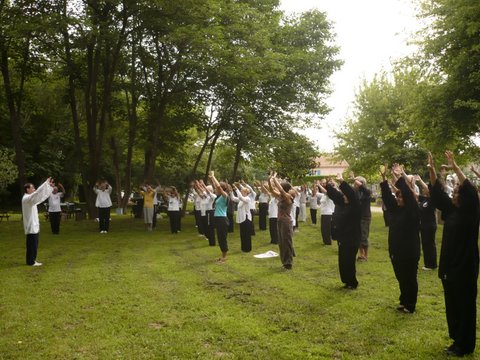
[[327, 207], [103, 204], [314, 199], [173, 198], [207, 199], [296, 209], [263, 199], [272, 215], [55, 209], [31, 223], [303, 204], [244, 216], [252, 195]]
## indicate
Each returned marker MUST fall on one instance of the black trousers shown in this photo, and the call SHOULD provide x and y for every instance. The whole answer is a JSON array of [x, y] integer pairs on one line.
[[104, 218], [272, 226], [461, 310], [429, 248], [326, 229], [347, 254], [54, 218], [221, 225], [313, 216], [32, 247], [262, 215], [252, 212], [174, 221], [208, 227], [199, 222], [246, 236], [406, 274], [154, 219], [297, 212], [230, 222]]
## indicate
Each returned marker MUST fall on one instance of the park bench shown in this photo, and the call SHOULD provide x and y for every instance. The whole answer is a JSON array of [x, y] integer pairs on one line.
[[4, 214]]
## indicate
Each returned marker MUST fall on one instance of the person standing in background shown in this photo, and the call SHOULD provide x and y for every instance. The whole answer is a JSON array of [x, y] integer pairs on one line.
[[173, 199], [365, 197], [314, 198], [149, 195], [54, 208], [31, 224], [103, 203], [262, 207], [327, 207], [303, 204]]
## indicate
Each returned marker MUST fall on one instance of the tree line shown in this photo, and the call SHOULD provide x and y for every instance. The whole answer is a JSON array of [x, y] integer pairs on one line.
[[429, 101], [134, 90]]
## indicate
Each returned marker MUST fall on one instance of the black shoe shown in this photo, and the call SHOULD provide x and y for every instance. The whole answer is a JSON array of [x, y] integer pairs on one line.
[[454, 350]]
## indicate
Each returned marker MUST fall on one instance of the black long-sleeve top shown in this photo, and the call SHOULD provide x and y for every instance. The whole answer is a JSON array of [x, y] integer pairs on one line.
[[459, 259], [403, 238], [347, 215], [365, 196], [427, 213]]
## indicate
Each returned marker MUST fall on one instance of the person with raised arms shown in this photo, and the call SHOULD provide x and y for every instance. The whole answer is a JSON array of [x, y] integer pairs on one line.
[[220, 215], [244, 216], [31, 224], [55, 209], [459, 258], [285, 195], [403, 235], [103, 203], [346, 222]]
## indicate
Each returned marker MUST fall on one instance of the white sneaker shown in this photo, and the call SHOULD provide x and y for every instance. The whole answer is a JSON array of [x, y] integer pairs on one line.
[[37, 264], [426, 268]]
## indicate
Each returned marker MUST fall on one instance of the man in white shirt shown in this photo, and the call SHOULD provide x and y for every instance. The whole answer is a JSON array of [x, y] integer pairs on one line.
[[31, 223]]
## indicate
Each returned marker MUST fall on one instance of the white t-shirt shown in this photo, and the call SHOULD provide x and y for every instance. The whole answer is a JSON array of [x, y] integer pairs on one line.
[[243, 209], [54, 201], [173, 203], [103, 197], [273, 208], [314, 201], [327, 206]]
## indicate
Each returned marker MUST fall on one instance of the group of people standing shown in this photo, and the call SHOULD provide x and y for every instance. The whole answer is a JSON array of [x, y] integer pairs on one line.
[[345, 217]]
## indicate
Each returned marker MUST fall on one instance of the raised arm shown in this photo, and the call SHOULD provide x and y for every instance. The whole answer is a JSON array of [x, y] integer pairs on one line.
[[431, 169], [455, 167], [216, 184]]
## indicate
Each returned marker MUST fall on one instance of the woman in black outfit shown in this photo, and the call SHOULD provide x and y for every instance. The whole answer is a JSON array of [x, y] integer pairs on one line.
[[428, 226], [459, 260], [346, 225], [403, 239]]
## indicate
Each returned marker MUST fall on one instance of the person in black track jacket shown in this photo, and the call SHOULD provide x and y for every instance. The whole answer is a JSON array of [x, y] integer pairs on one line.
[[403, 238], [459, 259], [346, 229]]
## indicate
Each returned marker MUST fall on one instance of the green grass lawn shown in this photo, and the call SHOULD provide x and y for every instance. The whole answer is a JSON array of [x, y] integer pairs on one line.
[[132, 294]]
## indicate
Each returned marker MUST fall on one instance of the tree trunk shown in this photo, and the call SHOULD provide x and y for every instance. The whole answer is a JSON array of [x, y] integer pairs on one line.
[[14, 117], [238, 153], [210, 155]]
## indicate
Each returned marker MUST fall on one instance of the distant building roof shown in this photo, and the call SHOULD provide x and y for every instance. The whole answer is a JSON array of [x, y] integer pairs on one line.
[[328, 166], [328, 161]]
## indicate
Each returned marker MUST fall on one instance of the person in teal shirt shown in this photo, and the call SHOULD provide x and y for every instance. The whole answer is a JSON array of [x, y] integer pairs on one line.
[[220, 215]]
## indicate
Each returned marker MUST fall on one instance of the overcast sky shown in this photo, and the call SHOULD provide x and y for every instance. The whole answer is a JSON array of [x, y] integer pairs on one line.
[[370, 34]]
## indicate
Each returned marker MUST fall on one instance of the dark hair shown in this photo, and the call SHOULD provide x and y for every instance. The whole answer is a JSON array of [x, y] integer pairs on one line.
[[286, 186], [224, 186], [26, 187]]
